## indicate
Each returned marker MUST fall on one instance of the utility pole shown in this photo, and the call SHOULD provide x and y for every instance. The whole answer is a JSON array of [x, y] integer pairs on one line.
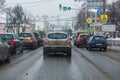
[[104, 6]]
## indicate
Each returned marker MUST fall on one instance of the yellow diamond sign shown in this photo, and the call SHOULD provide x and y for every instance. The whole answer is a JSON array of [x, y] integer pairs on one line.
[[103, 18], [89, 20]]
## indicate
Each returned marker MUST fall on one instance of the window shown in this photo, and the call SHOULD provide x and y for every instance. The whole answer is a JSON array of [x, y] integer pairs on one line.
[[57, 36], [99, 38], [6, 36], [24, 35]]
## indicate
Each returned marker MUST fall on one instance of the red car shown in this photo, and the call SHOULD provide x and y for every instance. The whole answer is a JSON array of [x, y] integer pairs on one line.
[[81, 40]]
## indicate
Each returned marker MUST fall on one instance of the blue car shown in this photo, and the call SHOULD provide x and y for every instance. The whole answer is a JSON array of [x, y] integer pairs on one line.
[[97, 42]]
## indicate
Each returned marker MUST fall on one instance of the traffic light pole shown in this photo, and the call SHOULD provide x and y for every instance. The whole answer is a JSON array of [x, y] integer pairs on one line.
[[104, 6]]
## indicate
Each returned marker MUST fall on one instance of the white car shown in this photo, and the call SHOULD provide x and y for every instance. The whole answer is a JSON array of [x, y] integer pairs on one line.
[[57, 42]]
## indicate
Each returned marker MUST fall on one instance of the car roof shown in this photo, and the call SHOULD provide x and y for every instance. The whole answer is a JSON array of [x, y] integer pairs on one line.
[[56, 32]]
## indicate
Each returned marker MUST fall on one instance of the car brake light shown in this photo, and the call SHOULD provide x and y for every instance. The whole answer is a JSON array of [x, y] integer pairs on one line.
[[68, 41], [80, 39], [31, 38], [12, 42], [46, 41]]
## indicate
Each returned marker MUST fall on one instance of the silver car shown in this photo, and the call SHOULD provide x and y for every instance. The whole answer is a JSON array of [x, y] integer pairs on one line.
[[57, 42], [4, 51]]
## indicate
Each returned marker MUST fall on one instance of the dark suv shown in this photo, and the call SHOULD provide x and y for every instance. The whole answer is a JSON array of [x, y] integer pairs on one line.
[[39, 39], [16, 45]]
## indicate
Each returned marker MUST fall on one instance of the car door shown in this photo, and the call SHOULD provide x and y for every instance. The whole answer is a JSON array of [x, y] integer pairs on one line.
[[3, 50]]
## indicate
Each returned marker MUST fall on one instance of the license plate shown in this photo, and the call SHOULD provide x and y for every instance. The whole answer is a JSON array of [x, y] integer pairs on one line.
[[98, 44]]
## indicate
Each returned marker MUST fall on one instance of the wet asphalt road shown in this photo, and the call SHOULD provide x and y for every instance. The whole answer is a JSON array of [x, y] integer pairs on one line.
[[83, 65]]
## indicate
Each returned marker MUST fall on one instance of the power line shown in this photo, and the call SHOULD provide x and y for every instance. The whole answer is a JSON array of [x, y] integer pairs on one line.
[[29, 3]]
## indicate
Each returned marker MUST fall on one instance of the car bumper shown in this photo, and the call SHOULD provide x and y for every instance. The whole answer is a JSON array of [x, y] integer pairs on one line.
[[98, 46], [29, 44], [57, 49]]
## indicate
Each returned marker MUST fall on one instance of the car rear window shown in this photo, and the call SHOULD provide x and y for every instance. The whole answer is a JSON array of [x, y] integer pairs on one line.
[[84, 36], [57, 36], [6, 36], [24, 35], [99, 38]]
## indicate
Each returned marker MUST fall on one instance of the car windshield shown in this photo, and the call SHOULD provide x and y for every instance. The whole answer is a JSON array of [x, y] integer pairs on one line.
[[6, 36], [57, 36], [24, 35]]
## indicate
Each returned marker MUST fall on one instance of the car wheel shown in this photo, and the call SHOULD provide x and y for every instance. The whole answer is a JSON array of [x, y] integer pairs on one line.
[[69, 53], [8, 58], [87, 48], [90, 48], [44, 52], [22, 49], [104, 49], [17, 51], [33, 47]]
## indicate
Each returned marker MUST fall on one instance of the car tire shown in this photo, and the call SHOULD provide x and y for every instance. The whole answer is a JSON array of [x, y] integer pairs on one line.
[[104, 49], [69, 53], [8, 58], [33, 47], [16, 51], [44, 52], [22, 50]]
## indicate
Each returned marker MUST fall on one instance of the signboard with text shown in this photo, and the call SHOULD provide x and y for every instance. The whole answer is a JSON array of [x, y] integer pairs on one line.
[[103, 18]]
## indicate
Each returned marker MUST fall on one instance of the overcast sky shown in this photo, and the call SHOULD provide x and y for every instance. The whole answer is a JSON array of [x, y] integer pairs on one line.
[[46, 7]]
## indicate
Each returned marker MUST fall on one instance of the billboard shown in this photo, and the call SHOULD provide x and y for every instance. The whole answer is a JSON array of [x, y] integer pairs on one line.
[[108, 28]]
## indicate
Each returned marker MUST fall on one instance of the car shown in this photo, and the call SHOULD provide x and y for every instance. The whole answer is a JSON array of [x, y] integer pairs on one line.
[[28, 40], [4, 51], [39, 39], [57, 42], [81, 40], [16, 45], [97, 42]]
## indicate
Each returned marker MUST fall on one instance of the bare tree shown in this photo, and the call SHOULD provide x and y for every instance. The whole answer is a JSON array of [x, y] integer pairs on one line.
[[2, 2], [81, 20], [114, 14]]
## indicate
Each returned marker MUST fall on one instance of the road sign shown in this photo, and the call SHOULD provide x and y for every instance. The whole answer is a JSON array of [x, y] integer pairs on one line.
[[64, 8], [99, 11], [17, 21], [89, 20], [103, 18]]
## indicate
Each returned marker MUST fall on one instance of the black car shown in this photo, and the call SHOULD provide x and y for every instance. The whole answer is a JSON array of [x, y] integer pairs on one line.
[[16, 45], [39, 39]]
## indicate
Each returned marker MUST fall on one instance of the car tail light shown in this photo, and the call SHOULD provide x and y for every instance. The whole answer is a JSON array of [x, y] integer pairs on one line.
[[80, 40], [68, 41], [31, 38], [12, 42], [45, 41]]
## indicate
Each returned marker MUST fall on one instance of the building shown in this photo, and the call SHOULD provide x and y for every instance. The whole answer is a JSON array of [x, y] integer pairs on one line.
[[94, 4], [90, 8]]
